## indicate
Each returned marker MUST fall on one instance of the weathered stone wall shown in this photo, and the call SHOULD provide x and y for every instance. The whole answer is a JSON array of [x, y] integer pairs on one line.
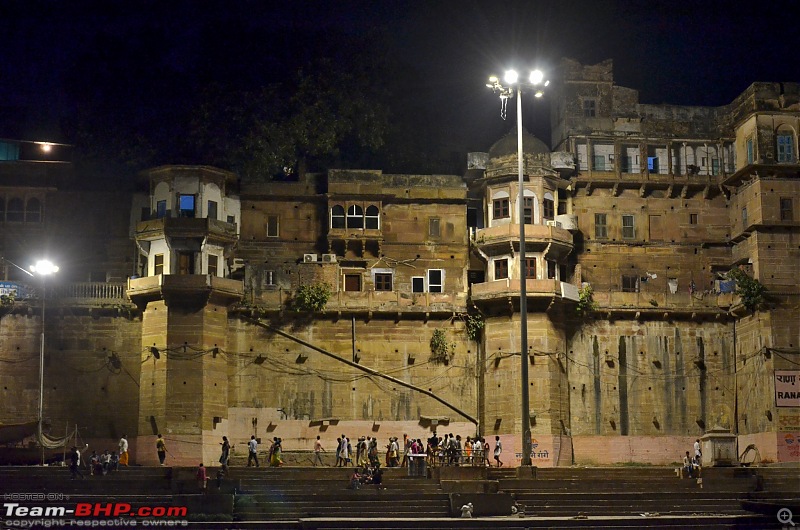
[[651, 378], [81, 385]]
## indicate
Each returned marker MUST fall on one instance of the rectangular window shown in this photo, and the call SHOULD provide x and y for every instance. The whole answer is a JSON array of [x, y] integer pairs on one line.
[[472, 217], [549, 208], [589, 108], [212, 210], [628, 227], [352, 282], [744, 217], [600, 226], [750, 151], [530, 268], [787, 209], [272, 226], [562, 206], [185, 262], [785, 148], [186, 205], [715, 166], [417, 284], [269, 278], [500, 269], [551, 270], [692, 218], [213, 263], [435, 281], [383, 281], [599, 163], [652, 164], [500, 208], [625, 164], [161, 209], [527, 210], [630, 284], [232, 219], [562, 273], [158, 264], [433, 227]]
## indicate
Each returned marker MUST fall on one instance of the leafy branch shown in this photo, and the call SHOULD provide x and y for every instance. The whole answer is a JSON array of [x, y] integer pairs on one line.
[[474, 323], [750, 291], [586, 303], [442, 350]]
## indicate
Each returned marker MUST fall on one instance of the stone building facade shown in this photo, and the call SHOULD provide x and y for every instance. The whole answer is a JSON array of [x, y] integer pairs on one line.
[[646, 207]]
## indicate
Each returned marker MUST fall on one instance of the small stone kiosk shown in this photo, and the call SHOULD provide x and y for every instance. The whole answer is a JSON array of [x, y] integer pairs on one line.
[[719, 448]]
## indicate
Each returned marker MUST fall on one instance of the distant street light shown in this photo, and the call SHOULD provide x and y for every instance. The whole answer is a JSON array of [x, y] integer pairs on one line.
[[43, 268], [536, 84]]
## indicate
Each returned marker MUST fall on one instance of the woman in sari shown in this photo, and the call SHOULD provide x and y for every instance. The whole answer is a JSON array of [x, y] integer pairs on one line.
[[275, 458]]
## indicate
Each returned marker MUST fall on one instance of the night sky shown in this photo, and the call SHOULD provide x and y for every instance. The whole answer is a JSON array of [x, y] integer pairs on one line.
[[694, 53]]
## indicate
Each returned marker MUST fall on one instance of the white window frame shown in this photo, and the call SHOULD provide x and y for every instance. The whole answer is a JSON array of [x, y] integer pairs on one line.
[[433, 285], [422, 279]]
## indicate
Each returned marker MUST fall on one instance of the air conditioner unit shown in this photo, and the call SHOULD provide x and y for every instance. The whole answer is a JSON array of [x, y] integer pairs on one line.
[[309, 258], [553, 223], [329, 258]]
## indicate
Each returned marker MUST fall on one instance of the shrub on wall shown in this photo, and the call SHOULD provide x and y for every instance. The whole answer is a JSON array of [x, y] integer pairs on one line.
[[586, 303], [750, 290], [312, 297], [442, 350]]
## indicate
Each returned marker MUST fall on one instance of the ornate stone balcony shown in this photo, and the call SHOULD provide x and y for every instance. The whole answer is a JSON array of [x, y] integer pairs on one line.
[[184, 287], [500, 239], [509, 288], [186, 227]]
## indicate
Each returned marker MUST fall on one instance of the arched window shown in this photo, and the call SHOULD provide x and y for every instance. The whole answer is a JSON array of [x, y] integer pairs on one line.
[[33, 211], [355, 216], [531, 207], [500, 206], [372, 219], [16, 211], [784, 150], [337, 216]]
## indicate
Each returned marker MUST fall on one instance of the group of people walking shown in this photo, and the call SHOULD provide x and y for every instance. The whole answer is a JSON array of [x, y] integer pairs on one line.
[[274, 458], [440, 450]]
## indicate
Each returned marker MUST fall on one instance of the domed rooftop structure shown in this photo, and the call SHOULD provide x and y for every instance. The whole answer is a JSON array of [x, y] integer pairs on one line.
[[507, 145]]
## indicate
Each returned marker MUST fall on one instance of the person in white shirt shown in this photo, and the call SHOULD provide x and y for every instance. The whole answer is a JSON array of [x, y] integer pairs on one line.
[[252, 454], [498, 449], [123, 451]]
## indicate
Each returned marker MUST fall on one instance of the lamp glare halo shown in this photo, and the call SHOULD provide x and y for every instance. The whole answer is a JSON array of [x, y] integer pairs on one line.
[[511, 76], [536, 77], [44, 267]]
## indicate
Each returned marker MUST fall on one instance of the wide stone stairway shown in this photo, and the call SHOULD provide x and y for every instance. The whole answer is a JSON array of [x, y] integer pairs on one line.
[[317, 498]]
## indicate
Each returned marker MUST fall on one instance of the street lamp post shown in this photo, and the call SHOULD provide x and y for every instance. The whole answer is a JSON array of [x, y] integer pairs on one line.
[[512, 79], [42, 268]]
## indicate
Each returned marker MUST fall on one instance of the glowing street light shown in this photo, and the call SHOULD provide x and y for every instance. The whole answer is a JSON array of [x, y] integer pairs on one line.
[[536, 84], [42, 268]]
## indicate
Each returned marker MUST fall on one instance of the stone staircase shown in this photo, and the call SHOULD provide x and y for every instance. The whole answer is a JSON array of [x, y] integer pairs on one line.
[[296, 493], [318, 498]]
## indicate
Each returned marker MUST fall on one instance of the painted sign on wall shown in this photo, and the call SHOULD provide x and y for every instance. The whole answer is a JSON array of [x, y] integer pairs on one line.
[[787, 388]]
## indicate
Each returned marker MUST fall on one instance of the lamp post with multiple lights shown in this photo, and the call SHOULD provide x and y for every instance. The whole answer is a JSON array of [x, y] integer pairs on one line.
[[514, 87], [42, 268]]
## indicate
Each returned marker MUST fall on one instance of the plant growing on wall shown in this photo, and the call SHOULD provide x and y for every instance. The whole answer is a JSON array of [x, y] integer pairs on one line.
[[750, 291], [586, 303], [474, 324], [442, 350], [311, 297]]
